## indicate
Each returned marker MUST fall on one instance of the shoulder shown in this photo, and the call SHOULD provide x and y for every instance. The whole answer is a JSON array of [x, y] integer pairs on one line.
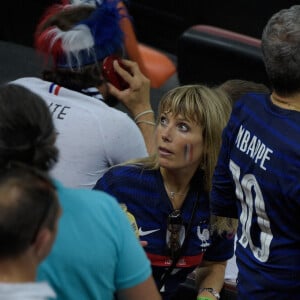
[[251, 99], [83, 198], [249, 106], [50, 91], [124, 175], [124, 171], [32, 83]]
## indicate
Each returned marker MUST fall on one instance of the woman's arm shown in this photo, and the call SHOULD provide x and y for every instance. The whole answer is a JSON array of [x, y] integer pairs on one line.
[[137, 99], [210, 274]]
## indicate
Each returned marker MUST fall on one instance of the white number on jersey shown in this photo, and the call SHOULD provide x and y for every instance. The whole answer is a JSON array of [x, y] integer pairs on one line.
[[250, 195]]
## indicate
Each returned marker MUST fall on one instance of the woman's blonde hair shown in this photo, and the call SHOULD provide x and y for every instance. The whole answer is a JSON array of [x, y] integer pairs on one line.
[[207, 107]]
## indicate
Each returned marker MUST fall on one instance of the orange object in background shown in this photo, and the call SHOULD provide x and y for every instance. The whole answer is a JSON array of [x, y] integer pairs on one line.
[[154, 64]]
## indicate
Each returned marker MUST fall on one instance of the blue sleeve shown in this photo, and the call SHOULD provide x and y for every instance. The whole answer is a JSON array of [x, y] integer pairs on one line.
[[133, 265], [223, 198], [104, 183], [221, 248]]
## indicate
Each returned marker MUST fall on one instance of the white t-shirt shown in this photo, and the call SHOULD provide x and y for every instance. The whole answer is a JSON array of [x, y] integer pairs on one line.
[[231, 271], [26, 291], [91, 135]]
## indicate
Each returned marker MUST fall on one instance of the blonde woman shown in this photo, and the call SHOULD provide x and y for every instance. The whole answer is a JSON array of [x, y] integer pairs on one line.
[[168, 193]]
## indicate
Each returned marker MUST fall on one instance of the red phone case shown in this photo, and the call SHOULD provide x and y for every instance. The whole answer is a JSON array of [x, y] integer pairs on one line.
[[111, 75]]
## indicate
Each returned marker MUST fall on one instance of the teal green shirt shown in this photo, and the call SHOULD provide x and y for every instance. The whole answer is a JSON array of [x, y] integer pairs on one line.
[[96, 252]]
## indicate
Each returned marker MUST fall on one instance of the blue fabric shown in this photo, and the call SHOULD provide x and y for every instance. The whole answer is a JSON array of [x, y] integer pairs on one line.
[[105, 30], [95, 252], [257, 180], [144, 194]]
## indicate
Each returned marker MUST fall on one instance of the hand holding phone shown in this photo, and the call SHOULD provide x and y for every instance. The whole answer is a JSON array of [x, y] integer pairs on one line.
[[111, 75]]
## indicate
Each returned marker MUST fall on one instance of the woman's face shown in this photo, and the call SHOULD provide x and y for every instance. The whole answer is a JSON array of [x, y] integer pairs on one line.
[[179, 142]]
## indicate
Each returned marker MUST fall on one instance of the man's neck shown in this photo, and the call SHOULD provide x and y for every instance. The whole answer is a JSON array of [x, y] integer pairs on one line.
[[290, 102], [17, 270]]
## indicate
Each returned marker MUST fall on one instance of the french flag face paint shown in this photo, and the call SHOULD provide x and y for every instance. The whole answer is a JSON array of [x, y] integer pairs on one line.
[[188, 152]]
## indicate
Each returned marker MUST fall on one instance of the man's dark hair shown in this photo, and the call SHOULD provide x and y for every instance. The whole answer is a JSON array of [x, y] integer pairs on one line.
[[28, 202], [27, 132]]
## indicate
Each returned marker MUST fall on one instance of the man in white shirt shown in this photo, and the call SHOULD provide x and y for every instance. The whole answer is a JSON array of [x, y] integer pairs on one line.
[[91, 135]]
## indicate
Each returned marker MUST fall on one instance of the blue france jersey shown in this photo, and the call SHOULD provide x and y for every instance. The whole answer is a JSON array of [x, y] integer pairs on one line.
[[146, 199], [257, 179]]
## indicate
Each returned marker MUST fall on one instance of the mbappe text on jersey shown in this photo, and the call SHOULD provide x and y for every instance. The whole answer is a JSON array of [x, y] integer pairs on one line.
[[251, 145]]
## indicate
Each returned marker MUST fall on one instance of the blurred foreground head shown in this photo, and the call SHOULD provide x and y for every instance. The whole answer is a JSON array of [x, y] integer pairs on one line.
[[29, 211], [27, 132]]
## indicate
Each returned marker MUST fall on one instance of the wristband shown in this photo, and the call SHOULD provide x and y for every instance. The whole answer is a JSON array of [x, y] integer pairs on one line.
[[145, 122], [149, 111], [210, 290], [203, 298]]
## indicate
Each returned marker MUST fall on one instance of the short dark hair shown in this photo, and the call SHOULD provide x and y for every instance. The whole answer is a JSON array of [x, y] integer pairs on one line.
[[28, 202], [281, 50], [76, 79], [27, 132]]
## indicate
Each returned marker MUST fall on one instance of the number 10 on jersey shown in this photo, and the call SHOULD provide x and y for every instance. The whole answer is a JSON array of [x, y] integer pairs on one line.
[[252, 204]]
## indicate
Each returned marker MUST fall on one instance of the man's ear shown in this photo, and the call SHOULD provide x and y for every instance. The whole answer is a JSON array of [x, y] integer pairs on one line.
[[43, 243]]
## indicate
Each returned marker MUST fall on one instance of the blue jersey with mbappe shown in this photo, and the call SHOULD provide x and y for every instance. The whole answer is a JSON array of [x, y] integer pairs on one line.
[[144, 194], [257, 179]]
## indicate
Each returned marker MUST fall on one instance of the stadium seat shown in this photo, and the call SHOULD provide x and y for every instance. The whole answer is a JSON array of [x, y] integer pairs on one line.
[[212, 55]]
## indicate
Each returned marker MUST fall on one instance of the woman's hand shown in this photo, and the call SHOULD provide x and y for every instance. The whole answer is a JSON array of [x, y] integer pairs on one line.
[[137, 99], [137, 96], [144, 243]]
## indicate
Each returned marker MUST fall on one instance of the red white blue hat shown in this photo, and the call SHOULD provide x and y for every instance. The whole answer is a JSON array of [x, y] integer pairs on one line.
[[89, 41]]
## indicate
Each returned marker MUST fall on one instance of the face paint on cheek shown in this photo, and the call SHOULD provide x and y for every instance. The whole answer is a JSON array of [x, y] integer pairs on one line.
[[188, 152]]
